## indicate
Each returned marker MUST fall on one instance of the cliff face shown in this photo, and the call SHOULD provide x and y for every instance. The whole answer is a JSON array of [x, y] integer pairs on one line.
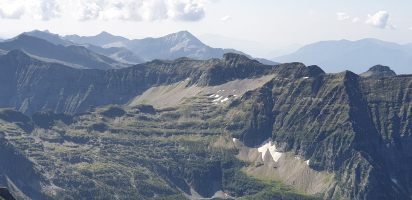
[[357, 127]]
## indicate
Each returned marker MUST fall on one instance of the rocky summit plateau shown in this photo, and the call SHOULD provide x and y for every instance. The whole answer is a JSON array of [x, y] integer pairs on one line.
[[83, 125]]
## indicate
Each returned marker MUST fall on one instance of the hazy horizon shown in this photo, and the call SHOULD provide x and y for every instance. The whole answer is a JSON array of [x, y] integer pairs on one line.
[[253, 48], [269, 25]]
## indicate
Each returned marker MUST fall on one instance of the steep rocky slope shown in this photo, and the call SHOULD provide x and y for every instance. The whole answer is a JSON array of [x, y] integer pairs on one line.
[[31, 85], [294, 132], [343, 123]]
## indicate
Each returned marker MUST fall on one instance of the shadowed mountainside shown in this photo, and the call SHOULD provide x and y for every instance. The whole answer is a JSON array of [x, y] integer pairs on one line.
[[30, 85], [350, 133]]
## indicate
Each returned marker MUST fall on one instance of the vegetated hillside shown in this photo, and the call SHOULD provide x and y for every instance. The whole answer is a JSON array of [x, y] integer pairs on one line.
[[294, 133]]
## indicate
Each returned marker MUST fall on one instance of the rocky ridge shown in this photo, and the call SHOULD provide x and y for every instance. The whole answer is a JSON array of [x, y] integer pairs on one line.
[[349, 132]]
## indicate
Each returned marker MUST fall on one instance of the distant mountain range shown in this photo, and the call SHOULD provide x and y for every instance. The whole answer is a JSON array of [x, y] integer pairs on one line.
[[120, 54], [102, 39], [356, 56], [107, 51], [71, 55], [172, 46]]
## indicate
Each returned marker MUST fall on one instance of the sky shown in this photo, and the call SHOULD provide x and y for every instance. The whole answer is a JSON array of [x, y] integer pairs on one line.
[[258, 27]]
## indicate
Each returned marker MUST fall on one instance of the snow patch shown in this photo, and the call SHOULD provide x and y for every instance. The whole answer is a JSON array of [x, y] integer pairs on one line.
[[218, 99], [272, 150], [394, 181], [307, 162], [224, 100]]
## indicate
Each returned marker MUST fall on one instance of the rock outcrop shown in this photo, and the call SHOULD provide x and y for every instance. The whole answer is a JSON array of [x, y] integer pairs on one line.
[[356, 127], [379, 71]]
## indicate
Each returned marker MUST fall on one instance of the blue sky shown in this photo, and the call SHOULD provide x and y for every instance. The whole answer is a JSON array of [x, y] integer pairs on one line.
[[257, 26]]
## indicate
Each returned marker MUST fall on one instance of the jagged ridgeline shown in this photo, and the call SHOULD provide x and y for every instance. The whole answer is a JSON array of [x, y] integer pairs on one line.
[[216, 129]]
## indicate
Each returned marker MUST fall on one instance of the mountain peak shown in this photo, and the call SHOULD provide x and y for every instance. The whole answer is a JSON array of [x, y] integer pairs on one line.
[[379, 71], [48, 36], [25, 39], [41, 33], [182, 35], [235, 57], [104, 33], [25, 36], [315, 70]]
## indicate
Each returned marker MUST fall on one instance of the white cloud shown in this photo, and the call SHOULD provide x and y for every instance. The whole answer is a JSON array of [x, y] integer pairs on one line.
[[135, 10], [37, 9], [46, 9], [381, 20], [141, 10], [342, 16], [186, 10], [410, 28], [11, 9], [226, 18]]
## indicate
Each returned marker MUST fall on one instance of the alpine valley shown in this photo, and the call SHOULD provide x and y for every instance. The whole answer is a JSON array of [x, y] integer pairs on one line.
[[106, 117]]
